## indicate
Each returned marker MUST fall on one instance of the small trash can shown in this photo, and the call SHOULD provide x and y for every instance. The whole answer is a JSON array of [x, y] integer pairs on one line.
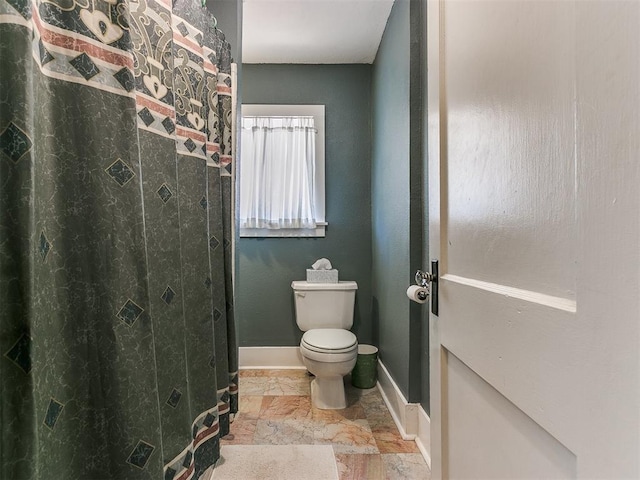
[[365, 373]]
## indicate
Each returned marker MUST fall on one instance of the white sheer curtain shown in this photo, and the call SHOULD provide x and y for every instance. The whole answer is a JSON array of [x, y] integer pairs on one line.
[[278, 173]]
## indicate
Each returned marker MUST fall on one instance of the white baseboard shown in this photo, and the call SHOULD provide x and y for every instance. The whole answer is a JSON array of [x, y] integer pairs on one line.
[[405, 414], [423, 439], [277, 358], [410, 418]]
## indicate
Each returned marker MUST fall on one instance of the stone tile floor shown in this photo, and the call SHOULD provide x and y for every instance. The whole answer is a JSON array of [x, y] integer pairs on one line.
[[275, 409]]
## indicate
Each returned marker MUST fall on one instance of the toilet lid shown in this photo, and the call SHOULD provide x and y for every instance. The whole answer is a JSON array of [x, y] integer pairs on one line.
[[332, 340]]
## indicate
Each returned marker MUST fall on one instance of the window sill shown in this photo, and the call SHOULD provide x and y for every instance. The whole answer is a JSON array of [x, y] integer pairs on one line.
[[319, 231]]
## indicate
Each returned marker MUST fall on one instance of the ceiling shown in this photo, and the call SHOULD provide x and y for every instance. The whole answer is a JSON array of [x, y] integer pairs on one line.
[[313, 31]]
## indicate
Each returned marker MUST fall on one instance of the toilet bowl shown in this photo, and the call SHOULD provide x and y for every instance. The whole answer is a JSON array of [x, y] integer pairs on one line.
[[324, 311], [329, 354]]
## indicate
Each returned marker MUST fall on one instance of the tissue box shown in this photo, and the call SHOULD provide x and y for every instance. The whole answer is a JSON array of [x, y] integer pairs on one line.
[[322, 276]]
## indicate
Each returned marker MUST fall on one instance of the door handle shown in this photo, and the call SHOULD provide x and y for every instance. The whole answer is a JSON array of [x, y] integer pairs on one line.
[[429, 281]]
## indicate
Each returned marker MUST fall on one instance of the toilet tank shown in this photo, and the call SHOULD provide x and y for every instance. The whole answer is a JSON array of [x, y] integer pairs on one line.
[[324, 305]]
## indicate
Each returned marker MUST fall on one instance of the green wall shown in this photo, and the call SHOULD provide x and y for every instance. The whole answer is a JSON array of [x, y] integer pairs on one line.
[[228, 13], [266, 267], [396, 182]]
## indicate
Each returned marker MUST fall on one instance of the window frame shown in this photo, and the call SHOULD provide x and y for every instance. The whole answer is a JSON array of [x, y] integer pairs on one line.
[[318, 114]]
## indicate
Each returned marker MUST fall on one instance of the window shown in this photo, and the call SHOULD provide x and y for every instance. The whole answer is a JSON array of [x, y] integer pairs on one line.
[[282, 171]]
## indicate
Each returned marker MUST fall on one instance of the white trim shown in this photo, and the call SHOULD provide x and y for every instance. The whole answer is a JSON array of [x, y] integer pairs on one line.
[[285, 232], [405, 414], [277, 358], [423, 439], [566, 304], [412, 421], [235, 140]]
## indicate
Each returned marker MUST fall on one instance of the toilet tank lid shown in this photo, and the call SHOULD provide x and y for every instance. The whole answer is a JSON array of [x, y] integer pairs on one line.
[[341, 285]]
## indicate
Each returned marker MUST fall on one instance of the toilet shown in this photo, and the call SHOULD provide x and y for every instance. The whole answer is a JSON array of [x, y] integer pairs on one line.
[[324, 311]]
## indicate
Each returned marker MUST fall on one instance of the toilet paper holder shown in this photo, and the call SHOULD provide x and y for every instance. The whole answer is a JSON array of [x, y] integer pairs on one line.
[[423, 279]]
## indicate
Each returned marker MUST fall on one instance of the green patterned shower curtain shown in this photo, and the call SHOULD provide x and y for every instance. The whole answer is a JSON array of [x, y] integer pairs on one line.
[[118, 357]]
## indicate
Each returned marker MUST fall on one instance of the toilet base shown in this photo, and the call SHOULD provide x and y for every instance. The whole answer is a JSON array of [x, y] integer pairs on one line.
[[327, 393]]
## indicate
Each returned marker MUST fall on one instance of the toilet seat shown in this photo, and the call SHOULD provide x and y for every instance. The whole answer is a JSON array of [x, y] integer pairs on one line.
[[329, 340], [330, 345]]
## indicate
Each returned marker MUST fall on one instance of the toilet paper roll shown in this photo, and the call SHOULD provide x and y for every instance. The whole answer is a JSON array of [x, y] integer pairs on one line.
[[415, 291]]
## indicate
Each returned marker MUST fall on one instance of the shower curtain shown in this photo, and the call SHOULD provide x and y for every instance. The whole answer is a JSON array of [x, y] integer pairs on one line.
[[118, 357]]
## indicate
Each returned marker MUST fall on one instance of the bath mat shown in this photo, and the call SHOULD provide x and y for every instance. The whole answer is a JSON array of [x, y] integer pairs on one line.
[[276, 462]]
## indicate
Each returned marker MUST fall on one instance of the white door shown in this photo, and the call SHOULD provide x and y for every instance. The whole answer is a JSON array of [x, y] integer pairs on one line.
[[534, 168]]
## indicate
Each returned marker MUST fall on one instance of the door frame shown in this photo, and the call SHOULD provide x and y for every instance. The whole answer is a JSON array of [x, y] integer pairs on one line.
[[436, 131]]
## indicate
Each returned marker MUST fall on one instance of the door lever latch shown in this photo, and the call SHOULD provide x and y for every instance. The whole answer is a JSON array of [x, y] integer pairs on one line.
[[429, 281]]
